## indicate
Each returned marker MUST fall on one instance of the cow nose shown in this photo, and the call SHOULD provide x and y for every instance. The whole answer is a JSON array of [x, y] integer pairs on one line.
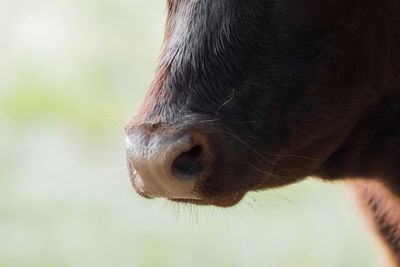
[[188, 164], [167, 165]]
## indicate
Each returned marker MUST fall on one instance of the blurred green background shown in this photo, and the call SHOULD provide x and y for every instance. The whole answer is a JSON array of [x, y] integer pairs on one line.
[[71, 74]]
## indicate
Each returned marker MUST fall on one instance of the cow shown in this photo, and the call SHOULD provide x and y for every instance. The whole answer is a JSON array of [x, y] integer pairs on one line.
[[257, 94]]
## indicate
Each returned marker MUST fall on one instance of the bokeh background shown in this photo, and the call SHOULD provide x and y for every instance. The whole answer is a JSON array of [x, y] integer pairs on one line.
[[71, 74]]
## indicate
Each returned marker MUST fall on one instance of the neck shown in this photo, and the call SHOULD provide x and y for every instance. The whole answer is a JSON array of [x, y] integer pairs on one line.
[[383, 210]]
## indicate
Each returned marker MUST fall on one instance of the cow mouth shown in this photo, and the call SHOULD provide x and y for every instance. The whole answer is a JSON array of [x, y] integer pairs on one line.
[[223, 202]]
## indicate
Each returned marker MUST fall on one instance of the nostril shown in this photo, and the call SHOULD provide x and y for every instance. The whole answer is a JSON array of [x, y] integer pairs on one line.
[[188, 164]]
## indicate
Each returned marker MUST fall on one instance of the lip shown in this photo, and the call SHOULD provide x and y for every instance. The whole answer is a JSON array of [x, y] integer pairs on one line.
[[137, 188], [218, 202], [223, 202], [132, 176]]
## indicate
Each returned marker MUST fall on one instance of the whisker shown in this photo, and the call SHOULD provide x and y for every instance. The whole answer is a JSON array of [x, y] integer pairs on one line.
[[121, 183], [114, 169], [256, 207], [289, 156], [230, 133], [230, 98], [261, 155], [106, 118], [268, 174], [280, 196], [107, 153], [273, 163], [208, 121]]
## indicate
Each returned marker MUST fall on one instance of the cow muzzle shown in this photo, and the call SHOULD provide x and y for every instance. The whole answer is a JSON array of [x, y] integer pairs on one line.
[[165, 164]]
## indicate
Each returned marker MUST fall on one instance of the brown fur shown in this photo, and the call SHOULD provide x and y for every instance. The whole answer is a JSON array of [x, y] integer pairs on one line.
[[382, 208], [342, 123], [372, 149]]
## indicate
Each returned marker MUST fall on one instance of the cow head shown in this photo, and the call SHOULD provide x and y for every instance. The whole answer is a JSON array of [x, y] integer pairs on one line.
[[242, 100]]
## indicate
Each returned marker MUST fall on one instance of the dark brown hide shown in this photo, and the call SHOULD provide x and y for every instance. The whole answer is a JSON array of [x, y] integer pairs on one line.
[[285, 89]]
